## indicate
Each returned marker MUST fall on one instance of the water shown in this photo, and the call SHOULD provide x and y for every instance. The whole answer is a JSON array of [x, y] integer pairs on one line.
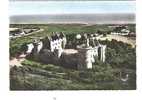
[[74, 18]]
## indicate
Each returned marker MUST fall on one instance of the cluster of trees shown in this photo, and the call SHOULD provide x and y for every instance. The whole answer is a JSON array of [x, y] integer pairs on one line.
[[120, 54], [18, 46]]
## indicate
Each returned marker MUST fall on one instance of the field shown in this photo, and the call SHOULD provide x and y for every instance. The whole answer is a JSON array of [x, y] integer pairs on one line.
[[33, 75]]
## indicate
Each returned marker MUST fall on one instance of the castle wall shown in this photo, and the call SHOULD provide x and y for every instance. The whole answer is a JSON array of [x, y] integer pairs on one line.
[[82, 58], [29, 48], [86, 57], [102, 56]]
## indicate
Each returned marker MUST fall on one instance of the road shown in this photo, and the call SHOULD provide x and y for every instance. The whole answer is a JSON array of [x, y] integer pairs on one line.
[[28, 33]]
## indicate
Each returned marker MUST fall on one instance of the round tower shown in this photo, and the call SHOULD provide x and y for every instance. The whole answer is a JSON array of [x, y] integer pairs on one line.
[[85, 58]]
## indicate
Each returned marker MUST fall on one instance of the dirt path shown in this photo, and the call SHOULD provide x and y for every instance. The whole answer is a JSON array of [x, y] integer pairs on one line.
[[17, 61], [28, 33]]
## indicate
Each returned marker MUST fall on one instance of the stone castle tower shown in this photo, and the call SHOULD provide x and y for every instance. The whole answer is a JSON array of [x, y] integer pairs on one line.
[[52, 50], [101, 52], [90, 52], [87, 56]]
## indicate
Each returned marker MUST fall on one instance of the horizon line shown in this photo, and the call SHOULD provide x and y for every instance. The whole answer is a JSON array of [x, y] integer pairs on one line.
[[73, 14]]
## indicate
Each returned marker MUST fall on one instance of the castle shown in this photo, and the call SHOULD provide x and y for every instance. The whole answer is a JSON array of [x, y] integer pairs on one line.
[[52, 50]]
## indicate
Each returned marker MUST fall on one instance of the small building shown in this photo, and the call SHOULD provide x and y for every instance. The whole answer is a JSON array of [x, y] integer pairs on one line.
[[15, 31], [121, 30]]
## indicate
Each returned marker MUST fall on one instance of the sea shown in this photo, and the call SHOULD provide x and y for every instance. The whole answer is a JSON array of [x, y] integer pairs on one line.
[[117, 18]]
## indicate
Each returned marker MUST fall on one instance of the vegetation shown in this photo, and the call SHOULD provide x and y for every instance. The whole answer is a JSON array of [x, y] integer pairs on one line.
[[37, 76], [104, 76], [69, 29], [120, 54]]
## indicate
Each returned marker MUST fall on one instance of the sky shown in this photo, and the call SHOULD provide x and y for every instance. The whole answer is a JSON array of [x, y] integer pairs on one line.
[[71, 0], [70, 7]]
